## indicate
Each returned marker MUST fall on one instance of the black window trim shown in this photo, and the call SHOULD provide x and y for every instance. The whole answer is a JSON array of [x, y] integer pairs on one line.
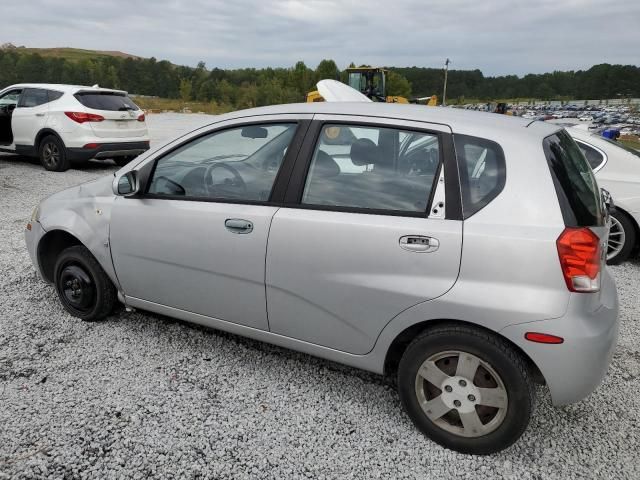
[[279, 185], [298, 177]]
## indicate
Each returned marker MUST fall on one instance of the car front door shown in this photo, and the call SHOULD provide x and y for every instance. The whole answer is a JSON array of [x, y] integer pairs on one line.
[[30, 116], [195, 239], [370, 227], [8, 102]]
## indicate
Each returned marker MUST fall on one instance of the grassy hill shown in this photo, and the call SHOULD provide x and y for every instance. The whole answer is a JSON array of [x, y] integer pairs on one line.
[[74, 54]]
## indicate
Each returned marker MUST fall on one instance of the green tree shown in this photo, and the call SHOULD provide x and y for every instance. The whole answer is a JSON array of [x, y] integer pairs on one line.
[[185, 89], [398, 85], [327, 69]]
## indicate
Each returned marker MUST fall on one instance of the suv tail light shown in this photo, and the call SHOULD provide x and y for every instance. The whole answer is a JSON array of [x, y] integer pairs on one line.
[[141, 118], [579, 252], [82, 117]]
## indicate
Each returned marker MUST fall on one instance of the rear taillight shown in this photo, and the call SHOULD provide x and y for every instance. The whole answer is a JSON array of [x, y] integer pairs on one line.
[[82, 117], [141, 118], [579, 252]]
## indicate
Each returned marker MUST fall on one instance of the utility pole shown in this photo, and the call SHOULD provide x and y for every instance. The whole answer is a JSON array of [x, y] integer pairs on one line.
[[444, 93]]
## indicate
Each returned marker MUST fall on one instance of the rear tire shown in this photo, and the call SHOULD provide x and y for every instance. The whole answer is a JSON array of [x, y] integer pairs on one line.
[[478, 397], [53, 154], [83, 287], [622, 238]]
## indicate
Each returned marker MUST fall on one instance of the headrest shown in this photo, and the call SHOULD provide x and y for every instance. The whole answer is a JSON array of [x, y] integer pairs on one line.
[[364, 152], [324, 165]]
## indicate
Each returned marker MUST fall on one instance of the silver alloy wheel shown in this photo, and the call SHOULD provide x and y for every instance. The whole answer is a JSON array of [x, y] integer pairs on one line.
[[617, 238], [461, 393], [50, 154]]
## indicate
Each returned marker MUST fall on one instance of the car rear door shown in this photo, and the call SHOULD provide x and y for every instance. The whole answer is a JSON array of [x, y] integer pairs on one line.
[[30, 116], [122, 117], [370, 227], [195, 240]]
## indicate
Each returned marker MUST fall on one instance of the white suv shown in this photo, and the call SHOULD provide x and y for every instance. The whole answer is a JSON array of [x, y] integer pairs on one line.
[[61, 124]]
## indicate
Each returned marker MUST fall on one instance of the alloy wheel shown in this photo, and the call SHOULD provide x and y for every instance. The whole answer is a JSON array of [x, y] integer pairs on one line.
[[50, 154], [617, 238], [461, 393]]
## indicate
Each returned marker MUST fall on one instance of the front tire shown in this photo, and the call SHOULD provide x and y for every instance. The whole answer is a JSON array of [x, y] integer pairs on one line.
[[466, 389], [84, 289], [622, 238], [53, 155]]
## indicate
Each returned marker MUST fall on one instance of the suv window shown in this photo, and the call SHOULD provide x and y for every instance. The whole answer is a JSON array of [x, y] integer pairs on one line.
[[593, 156], [235, 164], [482, 171], [575, 184], [10, 98], [33, 97], [374, 168], [110, 101]]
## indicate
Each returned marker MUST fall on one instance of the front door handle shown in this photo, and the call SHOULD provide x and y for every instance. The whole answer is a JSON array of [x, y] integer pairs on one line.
[[238, 225], [39, 114], [419, 243]]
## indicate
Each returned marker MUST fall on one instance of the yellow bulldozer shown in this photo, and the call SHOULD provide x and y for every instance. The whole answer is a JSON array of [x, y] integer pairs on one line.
[[371, 81]]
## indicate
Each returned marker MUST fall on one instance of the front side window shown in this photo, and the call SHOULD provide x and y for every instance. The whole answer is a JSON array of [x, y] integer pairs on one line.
[[482, 170], [593, 156], [375, 168], [238, 164], [33, 97], [10, 98]]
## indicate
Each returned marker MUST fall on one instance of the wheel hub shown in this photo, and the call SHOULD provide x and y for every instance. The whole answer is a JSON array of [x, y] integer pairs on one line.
[[460, 393], [78, 288]]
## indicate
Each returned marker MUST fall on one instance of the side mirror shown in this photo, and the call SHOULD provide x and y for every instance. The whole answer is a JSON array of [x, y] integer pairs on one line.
[[127, 184]]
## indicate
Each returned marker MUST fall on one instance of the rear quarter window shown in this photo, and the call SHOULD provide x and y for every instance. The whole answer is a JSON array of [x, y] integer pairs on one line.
[[482, 171], [574, 181], [110, 101]]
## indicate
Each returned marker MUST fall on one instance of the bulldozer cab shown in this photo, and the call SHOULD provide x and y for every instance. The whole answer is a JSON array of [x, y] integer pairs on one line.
[[370, 81]]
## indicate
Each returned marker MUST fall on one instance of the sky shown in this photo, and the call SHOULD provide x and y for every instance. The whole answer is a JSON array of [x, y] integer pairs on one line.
[[497, 37]]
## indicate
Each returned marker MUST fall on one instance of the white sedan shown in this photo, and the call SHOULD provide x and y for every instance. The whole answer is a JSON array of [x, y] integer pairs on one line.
[[617, 170]]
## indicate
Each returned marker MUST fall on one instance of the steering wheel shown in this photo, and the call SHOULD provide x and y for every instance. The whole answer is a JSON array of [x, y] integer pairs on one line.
[[237, 182]]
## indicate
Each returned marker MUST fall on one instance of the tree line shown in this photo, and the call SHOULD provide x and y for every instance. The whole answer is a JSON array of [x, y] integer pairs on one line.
[[249, 87]]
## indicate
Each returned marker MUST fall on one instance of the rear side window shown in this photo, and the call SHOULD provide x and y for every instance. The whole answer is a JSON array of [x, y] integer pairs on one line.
[[482, 171], [33, 97], [111, 101], [574, 181], [53, 95], [593, 156]]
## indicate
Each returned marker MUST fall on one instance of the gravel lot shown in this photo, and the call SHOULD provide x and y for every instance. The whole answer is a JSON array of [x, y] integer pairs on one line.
[[144, 396]]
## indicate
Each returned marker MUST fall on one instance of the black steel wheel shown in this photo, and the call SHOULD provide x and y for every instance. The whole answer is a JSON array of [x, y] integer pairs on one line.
[[83, 287]]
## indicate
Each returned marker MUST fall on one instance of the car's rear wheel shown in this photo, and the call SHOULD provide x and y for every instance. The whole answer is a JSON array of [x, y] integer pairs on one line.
[[53, 155], [83, 287], [466, 389], [622, 238]]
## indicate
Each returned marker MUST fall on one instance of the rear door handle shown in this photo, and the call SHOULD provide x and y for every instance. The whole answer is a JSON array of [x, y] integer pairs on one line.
[[419, 243], [39, 114], [238, 225]]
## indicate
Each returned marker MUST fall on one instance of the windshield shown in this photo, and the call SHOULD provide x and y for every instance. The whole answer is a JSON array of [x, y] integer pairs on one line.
[[110, 101]]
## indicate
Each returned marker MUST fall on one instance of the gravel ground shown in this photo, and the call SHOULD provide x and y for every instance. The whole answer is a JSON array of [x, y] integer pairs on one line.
[[144, 396]]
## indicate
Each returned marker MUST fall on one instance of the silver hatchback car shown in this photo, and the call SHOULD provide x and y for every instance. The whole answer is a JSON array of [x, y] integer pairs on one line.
[[461, 254]]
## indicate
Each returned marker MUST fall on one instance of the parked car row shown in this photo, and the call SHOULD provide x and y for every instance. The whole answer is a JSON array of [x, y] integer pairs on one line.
[[462, 254], [61, 124]]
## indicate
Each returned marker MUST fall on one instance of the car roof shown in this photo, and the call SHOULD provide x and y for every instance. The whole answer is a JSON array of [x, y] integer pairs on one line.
[[62, 87], [460, 120]]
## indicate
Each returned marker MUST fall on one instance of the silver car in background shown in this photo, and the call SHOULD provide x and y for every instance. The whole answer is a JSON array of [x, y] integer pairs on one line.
[[461, 254], [617, 170]]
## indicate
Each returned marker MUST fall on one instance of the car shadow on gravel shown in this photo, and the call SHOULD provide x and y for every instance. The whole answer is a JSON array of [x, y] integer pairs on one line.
[[87, 166]]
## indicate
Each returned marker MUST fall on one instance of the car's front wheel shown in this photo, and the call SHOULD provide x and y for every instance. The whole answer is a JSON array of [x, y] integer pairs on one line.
[[466, 389], [622, 238], [53, 154], [83, 287]]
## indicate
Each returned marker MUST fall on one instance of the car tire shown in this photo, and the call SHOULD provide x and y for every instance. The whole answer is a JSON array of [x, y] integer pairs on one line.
[[53, 154], [622, 238], [122, 161], [479, 413], [83, 287]]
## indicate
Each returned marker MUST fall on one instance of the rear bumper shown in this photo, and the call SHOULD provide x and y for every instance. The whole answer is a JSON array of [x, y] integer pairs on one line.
[[576, 367], [109, 150]]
